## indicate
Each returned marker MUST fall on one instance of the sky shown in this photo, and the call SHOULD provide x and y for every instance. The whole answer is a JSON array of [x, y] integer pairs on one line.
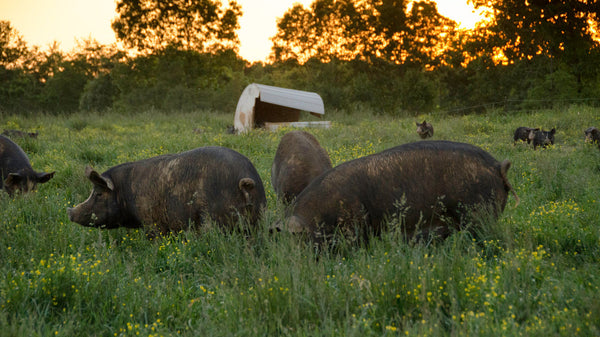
[[41, 22]]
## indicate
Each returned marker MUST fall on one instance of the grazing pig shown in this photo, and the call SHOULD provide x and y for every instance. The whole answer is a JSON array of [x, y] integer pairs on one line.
[[168, 192], [542, 138], [16, 172], [298, 160], [592, 135], [432, 187], [19, 134], [524, 134], [425, 130]]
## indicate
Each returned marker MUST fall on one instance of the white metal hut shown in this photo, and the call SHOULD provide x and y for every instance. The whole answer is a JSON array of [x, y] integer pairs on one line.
[[271, 107]]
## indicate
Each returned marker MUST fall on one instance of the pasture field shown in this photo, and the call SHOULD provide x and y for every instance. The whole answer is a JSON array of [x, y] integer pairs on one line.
[[536, 272]]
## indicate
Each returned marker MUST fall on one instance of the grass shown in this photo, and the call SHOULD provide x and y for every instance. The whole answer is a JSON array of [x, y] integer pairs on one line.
[[535, 272]]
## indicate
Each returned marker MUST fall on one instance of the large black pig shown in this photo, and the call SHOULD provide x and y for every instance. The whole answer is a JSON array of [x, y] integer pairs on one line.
[[433, 187], [298, 160], [16, 172], [170, 192]]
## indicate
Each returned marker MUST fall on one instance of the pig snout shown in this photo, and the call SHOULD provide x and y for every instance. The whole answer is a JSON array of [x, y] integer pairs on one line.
[[75, 215]]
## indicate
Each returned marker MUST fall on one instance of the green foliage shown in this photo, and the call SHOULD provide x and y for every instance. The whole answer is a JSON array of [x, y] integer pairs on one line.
[[203, 26], [533, 272], [98, 94], [560, 85], [559, 29], [178, 80], [12, 46], [17, 90], [62, 91], [394, 57], [363, 30]]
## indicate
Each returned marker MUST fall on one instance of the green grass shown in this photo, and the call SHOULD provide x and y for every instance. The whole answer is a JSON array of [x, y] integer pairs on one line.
[[534, 273]]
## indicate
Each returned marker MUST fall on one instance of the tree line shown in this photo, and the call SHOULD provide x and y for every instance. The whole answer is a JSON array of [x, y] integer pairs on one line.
[[393, 56]]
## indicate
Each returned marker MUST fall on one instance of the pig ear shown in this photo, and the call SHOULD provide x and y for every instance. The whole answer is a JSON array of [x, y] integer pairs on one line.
[[13, 179], [246, 184], [43, 177], [417, 123], [553, 131], [99, 180]]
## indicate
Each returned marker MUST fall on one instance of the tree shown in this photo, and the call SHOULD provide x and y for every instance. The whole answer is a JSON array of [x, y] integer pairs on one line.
[[555, 28], [198, 25], [96, 58], [12, 46], [17, 86], [366, 29]]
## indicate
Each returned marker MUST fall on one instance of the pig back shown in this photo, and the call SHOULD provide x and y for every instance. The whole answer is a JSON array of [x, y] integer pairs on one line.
[[298, 160], [12, 157], [172, 190], [427, 183]]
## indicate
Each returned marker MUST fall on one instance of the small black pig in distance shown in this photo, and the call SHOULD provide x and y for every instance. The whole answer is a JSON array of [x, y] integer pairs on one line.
[[543, 138], [16, 172], [592, 136], [169, 192], [19, 134], [524, 134], [425, 130], [298, 160], [433, 187]]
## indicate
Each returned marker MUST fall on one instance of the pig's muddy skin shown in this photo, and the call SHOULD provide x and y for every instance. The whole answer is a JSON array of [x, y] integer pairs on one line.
[[298, 160], [16, 173], [173, 192], [431, 187]]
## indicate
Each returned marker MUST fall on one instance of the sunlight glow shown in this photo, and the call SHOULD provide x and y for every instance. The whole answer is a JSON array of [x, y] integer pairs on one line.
[[459, 11], [67, 21]]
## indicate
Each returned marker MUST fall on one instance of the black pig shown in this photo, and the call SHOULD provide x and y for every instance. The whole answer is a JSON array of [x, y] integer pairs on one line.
[[592, 135], [525, 134], [298, 160], [425, 130], [19, 134], [167, 192], [16, 172], [434, 187], [543, 138]]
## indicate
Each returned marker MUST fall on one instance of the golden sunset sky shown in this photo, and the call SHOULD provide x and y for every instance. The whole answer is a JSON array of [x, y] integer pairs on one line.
[[41, 22]]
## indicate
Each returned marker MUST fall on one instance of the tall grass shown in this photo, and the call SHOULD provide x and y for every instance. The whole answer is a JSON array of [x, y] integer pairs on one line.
[[534, 272]]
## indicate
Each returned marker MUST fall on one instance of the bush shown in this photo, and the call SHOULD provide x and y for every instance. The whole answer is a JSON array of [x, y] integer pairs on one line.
[[98, 94]]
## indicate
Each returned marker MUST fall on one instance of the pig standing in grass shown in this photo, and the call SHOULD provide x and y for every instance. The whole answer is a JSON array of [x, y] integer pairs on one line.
[[425, 130], [592, 135], [172, 192], [19, 134], [16, 172], [432, 187], [298, 160], [542, 138], [525, 134]]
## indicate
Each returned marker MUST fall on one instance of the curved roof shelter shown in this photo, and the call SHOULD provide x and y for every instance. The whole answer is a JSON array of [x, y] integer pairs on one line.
[[270, 107]]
